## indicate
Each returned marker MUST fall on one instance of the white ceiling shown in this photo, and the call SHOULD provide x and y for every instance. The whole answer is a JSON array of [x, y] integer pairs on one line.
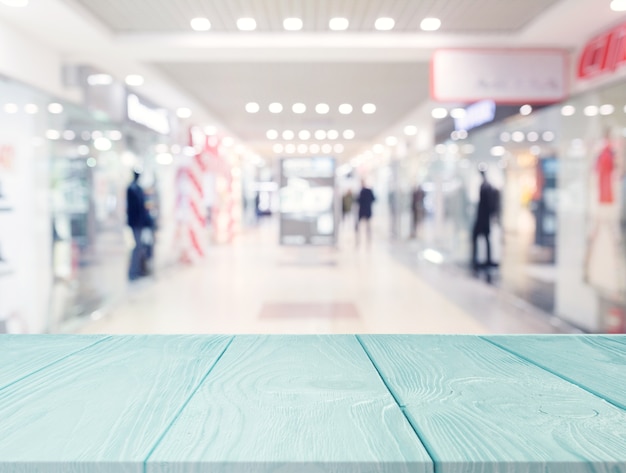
[[217, 72]]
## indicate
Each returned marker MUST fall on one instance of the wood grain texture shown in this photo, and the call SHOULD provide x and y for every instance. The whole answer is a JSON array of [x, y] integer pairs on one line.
[[596, 363], [291, 404], [479, 408], [22, 355], [103, 409]]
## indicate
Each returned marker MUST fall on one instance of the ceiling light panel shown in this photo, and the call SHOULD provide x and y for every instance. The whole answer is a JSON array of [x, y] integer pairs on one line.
[[139, 16], [292, 24]]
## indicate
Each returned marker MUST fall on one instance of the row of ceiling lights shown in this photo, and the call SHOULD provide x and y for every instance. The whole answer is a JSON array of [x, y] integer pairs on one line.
[[320, 108], [306, 134], [334, 24], [32, 109], [304, 148]]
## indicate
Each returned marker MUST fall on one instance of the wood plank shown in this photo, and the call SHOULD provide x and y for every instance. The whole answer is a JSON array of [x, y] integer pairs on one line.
[[479, 408], [291, 404], [596, 363], [22, 355], [103, 409]]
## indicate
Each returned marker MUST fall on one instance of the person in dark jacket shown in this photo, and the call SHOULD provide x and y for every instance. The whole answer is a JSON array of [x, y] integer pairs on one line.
[[138, 219], [487, 208], [364, 201]]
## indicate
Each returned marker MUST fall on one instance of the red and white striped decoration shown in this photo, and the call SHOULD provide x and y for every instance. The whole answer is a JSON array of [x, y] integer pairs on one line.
[[191, 234]]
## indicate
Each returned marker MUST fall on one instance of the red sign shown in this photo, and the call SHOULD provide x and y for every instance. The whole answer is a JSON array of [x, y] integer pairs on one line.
[[603, 54]]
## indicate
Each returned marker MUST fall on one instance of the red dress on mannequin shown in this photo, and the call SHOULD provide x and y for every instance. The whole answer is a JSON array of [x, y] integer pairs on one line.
[[605, 166]]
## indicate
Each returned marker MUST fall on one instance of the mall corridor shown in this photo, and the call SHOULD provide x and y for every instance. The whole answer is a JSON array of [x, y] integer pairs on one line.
[[254, 285]]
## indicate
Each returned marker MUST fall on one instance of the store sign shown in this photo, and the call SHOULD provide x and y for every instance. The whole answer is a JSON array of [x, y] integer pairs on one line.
[[154, 118], [603, 54], [476, 115], [504, 76]]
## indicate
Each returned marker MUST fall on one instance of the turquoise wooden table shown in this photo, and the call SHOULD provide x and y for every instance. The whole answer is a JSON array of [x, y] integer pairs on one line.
[[282, 404]]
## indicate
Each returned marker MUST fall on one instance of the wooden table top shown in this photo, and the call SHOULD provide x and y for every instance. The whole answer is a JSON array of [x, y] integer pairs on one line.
[[300, 403]]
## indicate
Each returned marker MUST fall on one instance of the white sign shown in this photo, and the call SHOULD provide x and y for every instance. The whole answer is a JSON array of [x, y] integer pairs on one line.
[[475, 115], [505, 76], [155, 119]]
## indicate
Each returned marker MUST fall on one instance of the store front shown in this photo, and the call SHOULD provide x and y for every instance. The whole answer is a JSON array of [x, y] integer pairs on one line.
[[64, 170], [560, 237]]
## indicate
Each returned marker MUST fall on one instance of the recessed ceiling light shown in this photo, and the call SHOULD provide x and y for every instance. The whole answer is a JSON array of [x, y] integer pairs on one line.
[[115, 135], [348, 134], [271, 134], [183, 112], [410, 130], [384, 24], [430, 24], [369, 108], [327, 148], [338, 148], [391, 141], [332, 134], [322, 108], [278, 148], [378, 148], [55, 108], [200, 24], [102, 144], [518, 136], [607, 109], [210, 130], [314, 148], [275, 107], [99, 79], [345, 109], [134, 80], [288, 135], [290, 148], [338, 24], [252, 107], [298, 108], [526, 109], [439, 112], [11, 108], [304, 134], [15, 3], [53, 135], [547, 136], [31, 108], [302, 148], [69, 135], [246, 24], [320, 135], [228, 141], [568, 110], [457, 112], [591, 111], [292, 24], [498, 151], [618, 5], [532, 136]]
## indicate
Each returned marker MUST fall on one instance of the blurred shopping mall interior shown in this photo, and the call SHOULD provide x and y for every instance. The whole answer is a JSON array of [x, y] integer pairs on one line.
[[490, 134]]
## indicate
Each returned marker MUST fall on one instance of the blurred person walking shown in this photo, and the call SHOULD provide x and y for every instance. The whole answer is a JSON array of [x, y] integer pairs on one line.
[[417, 209], [346, 204], [138, 219], [364, 201], [487, 208]]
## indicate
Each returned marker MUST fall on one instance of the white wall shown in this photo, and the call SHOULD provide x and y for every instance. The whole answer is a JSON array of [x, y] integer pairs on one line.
[[32, 62]]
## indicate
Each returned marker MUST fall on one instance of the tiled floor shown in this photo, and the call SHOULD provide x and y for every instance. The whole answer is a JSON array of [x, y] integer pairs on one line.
[[257, 286]]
